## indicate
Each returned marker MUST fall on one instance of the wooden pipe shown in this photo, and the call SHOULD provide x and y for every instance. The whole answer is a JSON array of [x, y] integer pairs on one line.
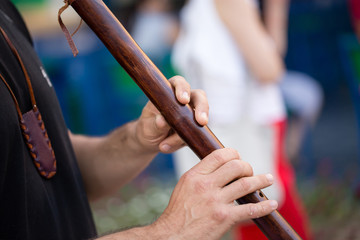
[[157, 88]]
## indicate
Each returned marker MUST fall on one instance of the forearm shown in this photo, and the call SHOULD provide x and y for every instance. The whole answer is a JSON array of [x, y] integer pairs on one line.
[[261, 56], [244, 23], [109, 162], [276, 22], [156, 230]]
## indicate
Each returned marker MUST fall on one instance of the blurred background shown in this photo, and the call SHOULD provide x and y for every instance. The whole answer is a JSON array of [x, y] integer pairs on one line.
[[97, 95]]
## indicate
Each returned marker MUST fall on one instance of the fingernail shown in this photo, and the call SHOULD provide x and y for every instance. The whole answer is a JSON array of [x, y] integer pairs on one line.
[[204, 116], [165, 147], [270, 178], [273, 204], [185, 96]]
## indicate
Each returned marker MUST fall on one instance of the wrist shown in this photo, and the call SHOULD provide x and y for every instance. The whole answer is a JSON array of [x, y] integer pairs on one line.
[[163, 230]]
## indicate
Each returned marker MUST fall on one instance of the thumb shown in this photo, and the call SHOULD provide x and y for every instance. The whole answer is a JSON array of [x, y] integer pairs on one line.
[[160, 123]]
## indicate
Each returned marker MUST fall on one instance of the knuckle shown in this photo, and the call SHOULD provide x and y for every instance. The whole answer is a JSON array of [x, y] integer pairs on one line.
[[187, 176], [256, 210], [220, 215], [214, 200], [236, 166], [247, 169], [234, 154], [261, 210], [172, 79], [179, 77], [252, 210], [245, 185], [219, 157], [202, 185], [175, 80]]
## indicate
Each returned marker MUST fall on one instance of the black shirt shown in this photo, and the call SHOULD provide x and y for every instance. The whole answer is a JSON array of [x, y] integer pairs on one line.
[[32, 207]]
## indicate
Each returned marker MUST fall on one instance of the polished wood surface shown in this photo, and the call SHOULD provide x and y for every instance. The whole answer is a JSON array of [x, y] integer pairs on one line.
[[157, 88]]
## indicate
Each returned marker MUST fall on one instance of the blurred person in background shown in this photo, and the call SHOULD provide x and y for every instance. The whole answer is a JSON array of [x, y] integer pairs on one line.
[[154, 28], [303, 95], [224, 48], [39, 201]]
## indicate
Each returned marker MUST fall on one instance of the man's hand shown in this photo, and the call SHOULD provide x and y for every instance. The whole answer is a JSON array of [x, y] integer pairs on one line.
[[152, 131], [109, 162], [202, 204]]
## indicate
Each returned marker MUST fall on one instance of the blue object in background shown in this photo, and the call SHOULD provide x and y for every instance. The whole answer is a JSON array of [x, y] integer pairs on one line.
[[314, 27], [313, 48]]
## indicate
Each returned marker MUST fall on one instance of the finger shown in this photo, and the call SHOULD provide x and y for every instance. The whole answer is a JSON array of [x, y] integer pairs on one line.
[[246, 185], [201, 106], [253, 210], [171, 144], [182, 89], [231, 171], [215, 160]]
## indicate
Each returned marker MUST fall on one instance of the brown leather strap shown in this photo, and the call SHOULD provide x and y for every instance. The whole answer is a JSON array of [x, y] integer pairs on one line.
[[66, 31], [13, 96], [13, 49], [32, 125]]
